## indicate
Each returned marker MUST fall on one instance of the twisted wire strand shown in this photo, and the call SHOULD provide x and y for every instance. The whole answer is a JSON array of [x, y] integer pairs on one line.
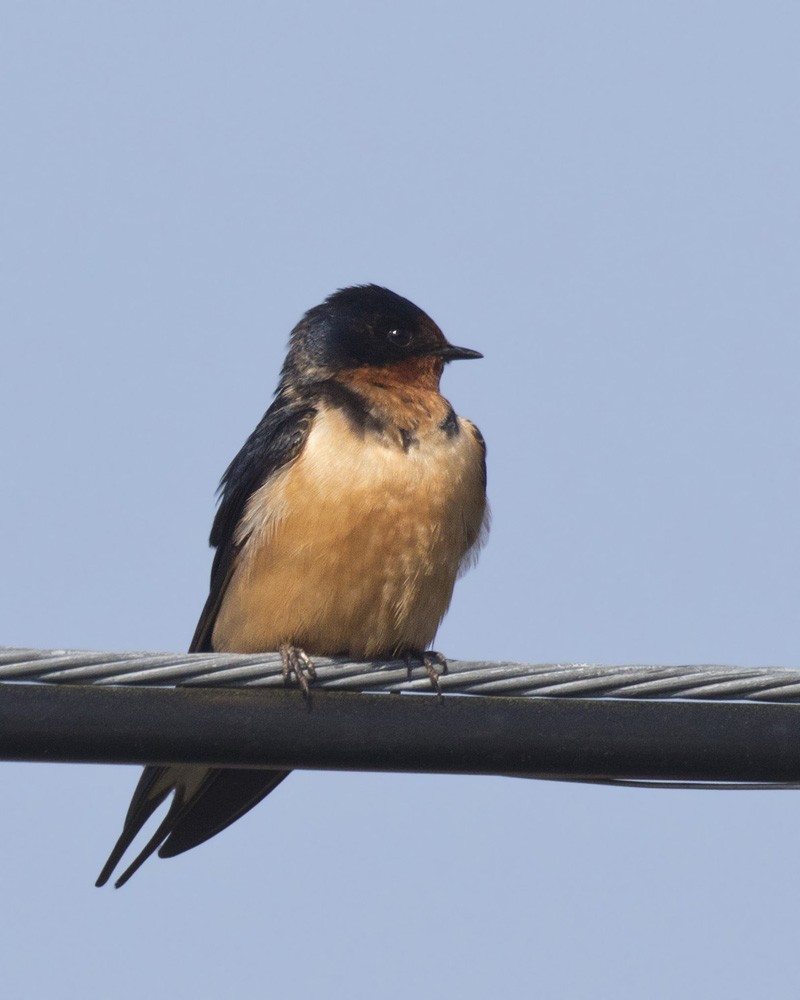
[[547, 680]]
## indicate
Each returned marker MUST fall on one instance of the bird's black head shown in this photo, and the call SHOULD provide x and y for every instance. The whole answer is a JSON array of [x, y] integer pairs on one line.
[[365, 325]]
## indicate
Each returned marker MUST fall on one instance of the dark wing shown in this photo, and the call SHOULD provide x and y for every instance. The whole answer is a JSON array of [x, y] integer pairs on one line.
[[478, 540], [206, 800], [276, 441]]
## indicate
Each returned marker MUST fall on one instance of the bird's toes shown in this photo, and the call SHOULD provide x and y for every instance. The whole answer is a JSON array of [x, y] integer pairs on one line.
[[295, 661], [435, 665]]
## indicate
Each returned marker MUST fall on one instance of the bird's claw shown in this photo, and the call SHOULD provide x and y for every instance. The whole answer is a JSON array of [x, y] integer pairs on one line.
[[435, 665], [296, 661]]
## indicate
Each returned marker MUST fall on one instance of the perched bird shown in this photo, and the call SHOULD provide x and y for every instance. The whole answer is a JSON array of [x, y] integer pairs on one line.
[[342, 525]]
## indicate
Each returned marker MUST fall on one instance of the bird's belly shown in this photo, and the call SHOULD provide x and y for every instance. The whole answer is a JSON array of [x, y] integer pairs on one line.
[[355, 548]]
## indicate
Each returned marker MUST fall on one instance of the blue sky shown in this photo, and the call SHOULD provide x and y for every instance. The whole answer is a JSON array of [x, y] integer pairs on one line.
[[603, 199]]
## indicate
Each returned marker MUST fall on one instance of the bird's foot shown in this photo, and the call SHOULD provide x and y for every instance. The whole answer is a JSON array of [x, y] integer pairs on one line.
[[435, 665], [296, 661]]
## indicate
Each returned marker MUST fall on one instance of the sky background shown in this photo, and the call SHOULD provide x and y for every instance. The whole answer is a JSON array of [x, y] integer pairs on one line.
[[604, 200]]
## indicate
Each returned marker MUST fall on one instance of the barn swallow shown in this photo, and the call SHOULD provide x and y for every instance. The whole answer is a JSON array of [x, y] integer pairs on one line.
[[342, 525]]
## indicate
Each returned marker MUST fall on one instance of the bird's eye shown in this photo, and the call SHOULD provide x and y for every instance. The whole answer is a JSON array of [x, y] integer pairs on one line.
[[400, 337]]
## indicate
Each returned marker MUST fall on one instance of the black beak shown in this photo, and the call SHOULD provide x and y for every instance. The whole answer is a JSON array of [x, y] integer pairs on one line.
[[451, 353]]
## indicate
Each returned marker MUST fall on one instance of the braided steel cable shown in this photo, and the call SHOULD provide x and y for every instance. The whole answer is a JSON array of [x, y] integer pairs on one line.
[[547, 680]]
